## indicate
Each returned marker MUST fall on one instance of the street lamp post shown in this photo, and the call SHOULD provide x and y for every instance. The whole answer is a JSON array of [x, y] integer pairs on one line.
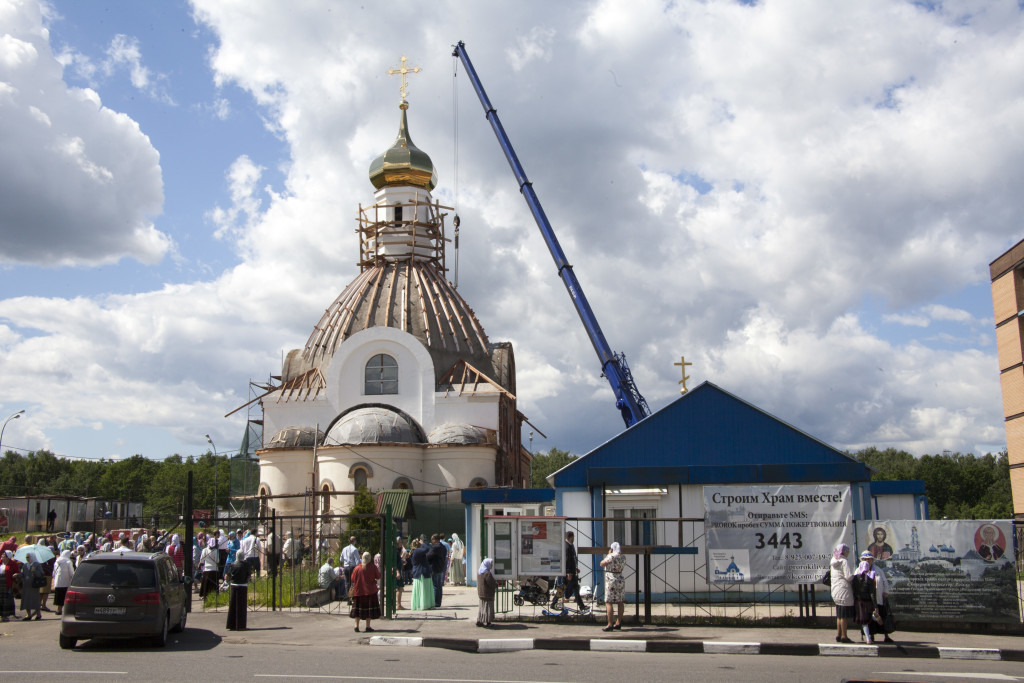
[[214, 477], [15, 416]]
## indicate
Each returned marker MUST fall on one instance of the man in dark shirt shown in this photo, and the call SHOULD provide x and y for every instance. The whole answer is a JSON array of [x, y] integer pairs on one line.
[[437, 557], [572, 577]]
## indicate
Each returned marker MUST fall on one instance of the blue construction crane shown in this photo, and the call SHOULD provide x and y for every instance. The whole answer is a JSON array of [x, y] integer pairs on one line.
[[628, 400]]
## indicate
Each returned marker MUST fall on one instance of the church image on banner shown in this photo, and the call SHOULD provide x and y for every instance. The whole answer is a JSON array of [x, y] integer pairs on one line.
[[659, 468], [398, 385]]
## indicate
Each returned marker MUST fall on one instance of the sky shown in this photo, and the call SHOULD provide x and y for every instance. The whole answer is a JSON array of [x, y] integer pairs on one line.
[[801, 198]]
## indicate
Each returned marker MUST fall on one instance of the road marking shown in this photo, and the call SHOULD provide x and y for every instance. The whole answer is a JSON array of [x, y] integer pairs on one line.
[[415, 680], [504, 644], [75, 671], [985, 677], [615, 645]]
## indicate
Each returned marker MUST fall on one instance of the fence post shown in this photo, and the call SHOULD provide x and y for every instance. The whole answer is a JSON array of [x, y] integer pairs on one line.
[[189, 568], [389, 563], [647, 586], [273, 572]]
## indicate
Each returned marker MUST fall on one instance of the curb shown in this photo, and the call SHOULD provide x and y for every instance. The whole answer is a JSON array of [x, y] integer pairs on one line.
[[487, 645]]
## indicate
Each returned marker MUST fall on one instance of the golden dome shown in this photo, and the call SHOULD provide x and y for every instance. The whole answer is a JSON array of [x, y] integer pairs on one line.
[[403, 163]]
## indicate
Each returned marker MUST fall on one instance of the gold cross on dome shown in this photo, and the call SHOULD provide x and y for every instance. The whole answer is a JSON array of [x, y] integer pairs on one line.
[[682, 363], [403, 70]]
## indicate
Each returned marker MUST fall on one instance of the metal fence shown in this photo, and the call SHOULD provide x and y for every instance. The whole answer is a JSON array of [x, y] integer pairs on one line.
[[667, 576], [286, 572]]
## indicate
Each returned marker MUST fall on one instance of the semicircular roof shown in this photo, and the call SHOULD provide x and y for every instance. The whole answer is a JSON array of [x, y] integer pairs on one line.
[[457, 434], [374, 424], [409, 296], [296, 437]]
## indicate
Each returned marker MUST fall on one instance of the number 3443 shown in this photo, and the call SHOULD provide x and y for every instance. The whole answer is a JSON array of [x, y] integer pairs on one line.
[[785, 541]]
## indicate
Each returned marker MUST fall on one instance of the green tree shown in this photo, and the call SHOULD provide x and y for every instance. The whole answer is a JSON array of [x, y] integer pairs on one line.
[[127, 479], [165, 494], [544, 464], [365, 529], [888, 465]]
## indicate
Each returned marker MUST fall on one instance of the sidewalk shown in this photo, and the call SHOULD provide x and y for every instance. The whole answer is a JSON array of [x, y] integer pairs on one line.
[[453, 626]]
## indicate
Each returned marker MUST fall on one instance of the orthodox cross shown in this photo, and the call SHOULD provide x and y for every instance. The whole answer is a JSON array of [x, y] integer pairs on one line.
[[403, 70], [682, 364]]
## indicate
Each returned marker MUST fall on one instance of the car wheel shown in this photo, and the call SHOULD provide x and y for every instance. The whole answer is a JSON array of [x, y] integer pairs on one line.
[[67, 642], [181, 622], [161, 640]]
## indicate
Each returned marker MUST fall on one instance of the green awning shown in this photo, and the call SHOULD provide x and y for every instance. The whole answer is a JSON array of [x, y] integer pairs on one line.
[[400, 501]]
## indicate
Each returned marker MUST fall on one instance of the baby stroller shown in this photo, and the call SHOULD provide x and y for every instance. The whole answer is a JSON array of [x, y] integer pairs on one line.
[[533, 590]]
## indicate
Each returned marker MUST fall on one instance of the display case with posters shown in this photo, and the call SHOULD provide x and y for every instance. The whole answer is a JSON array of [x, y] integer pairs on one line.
[[526, 546]]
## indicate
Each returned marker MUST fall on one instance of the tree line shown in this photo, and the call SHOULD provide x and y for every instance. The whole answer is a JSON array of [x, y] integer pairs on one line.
[[958, 485], [160, 485]]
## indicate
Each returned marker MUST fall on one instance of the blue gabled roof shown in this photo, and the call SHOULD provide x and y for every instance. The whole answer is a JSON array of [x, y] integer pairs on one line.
[[710, 436]]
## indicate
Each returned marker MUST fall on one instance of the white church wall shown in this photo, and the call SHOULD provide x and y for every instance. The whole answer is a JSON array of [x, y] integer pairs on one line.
[[386, 463], [280, 467], [278, 416], [457, 466], [479, 410], [346, 373]]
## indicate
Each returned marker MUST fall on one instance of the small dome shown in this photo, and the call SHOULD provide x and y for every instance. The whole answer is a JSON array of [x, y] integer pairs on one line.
[[296, 437], [403, 163], [374, 424], [457, 434]]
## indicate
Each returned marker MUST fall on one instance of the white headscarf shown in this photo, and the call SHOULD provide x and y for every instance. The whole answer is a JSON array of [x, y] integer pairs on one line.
[[485, 567], [616, 548], [456, 542]]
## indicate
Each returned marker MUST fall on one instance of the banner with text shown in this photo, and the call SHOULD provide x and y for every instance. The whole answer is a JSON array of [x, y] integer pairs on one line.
[[946, 570], [774, 534]]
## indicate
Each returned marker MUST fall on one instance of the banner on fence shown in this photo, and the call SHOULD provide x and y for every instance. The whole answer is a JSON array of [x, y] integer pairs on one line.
[[774, 534], [944, 570]]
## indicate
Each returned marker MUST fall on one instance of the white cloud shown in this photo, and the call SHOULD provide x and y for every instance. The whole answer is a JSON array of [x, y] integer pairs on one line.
[[79, 183], [729, 182]]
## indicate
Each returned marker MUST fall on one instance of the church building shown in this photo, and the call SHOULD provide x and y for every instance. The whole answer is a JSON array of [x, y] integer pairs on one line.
[[398, 385]]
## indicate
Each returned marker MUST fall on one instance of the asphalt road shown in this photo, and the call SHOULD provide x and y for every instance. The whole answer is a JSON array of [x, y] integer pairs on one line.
[[29, 652]]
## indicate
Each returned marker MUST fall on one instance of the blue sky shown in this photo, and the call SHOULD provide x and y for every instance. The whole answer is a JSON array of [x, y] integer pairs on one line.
[[802, 200]]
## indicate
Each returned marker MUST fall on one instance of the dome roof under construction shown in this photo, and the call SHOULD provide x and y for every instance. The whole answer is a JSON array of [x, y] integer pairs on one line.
[[410, 296]]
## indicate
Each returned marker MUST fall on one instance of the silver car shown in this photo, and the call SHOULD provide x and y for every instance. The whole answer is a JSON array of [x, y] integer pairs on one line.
[[124, 595]]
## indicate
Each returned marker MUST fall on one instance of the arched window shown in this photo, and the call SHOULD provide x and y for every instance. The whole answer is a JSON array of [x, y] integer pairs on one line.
[[403, 483], [359, 478], [264, 503], [326, 505], [381, 375]]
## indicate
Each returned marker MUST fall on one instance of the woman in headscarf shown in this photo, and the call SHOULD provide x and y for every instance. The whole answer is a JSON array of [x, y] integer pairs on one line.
[[177, 554], [364, 604], [8, 570], [209, 560], [863, 587], [842, 596], [79, 555], [31, 573], [63, 570], [108, 543], [458, 570], [422, 584], [614, 584], [233, 545], [486, 585], [237, 574]]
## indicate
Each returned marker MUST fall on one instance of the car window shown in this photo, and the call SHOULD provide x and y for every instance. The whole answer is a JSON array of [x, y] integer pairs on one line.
[[115, 573]]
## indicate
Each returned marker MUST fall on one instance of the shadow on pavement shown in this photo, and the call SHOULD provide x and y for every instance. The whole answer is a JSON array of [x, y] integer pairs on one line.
[[192, 640]]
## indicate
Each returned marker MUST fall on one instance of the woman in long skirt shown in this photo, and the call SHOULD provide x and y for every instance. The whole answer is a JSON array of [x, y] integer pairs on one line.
[[8, 570], [364, 603], [486, 585], [422, 584], [238, 578], [209, 560], [30, 593]]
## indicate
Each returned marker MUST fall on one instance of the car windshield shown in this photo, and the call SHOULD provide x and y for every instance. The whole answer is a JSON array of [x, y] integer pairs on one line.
[[115, 574]]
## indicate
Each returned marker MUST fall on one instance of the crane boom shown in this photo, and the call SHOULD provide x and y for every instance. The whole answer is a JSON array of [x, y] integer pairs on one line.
[[628, 399]]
